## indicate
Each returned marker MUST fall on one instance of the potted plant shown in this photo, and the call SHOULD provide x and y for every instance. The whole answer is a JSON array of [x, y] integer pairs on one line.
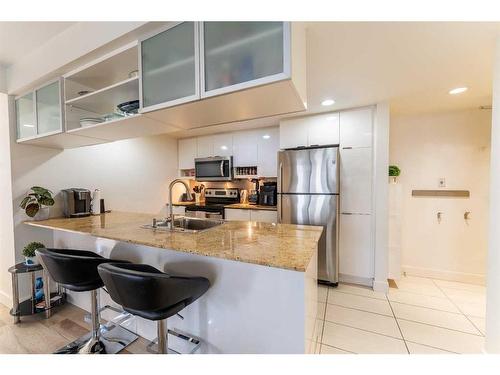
[[29, 253], [394, 172], [36, 204]]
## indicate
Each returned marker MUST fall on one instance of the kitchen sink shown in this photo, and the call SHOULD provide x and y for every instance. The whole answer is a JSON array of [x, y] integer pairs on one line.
[[184, 224]]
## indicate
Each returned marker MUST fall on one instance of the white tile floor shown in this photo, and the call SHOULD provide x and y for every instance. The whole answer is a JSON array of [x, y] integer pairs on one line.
[[422, 316]]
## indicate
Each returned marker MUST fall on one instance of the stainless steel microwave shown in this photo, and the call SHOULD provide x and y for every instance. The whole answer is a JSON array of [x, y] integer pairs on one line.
[[218, 168]]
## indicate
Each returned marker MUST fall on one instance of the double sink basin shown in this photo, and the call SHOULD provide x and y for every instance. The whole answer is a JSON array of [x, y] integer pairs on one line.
[[184, 224]]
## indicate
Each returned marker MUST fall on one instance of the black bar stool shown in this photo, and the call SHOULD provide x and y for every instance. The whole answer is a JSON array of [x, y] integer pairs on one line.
[[151, 294], [76, 270]]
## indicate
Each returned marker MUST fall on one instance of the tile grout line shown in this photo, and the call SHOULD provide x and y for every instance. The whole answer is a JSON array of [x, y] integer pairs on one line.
[[324, 316], [433, 347], [397, 323], [425, 307], [434, 325], [365, 330], [458, 308], [344, 350], [354, 308]]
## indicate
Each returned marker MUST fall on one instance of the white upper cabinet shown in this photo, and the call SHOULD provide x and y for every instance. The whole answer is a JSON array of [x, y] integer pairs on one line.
[[215, 145], [245, 148], [356, 128], [323, 130], [237, 55], [25, 116], [223, 144], [356, 180], [319, 130], [40, 112], [268, 147], [205, 147], [293, 133], [187, 151], [170, 67]]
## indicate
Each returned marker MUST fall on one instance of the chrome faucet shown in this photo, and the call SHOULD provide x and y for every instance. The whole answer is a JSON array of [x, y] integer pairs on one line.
[[170, 206]]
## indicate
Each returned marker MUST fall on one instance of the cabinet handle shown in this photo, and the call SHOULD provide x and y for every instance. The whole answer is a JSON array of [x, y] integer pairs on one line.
[[347, 148]]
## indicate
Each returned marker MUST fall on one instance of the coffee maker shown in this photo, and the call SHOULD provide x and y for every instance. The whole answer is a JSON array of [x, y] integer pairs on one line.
[[268, 195], [76, 202]]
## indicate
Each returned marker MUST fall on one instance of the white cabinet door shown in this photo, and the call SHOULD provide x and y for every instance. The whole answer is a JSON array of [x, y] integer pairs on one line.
[[236, 214], [264, 216], [293, 133], [245, 146], [187, 152], [205, 146], [222, 144], [356, 255], [356, 128], [323, 129], [356, 180], [25, 116], [268, 147]]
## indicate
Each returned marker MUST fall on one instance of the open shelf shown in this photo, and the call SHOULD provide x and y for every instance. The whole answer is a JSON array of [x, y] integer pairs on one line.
[[106, 71], [105, 100], [61, 141]]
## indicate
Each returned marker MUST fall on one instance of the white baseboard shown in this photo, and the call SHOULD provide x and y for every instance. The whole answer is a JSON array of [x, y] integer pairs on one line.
[[356, 280], [462, 277], [5, 299]]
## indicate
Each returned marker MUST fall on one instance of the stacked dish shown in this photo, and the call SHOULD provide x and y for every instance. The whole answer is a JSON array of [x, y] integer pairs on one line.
[[88, 121]]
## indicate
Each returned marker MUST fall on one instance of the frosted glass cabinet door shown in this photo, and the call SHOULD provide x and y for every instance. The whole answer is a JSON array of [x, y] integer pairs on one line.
[[235, 53], [169, 66], [25, 116], [48, 108]]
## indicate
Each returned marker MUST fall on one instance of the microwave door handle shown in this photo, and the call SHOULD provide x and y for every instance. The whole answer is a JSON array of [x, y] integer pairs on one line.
[[222, 168]]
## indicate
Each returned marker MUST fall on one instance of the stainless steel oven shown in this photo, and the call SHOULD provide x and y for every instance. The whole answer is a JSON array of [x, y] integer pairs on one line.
[[218, 168]]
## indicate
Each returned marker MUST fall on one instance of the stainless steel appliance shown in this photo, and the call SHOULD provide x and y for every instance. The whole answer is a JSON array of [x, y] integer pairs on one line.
[[215, 201], [308, 193], [267, 194], [76, 202], [217, 168]]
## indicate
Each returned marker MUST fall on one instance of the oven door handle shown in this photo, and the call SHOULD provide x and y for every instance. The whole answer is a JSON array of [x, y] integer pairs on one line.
[[222, 168]]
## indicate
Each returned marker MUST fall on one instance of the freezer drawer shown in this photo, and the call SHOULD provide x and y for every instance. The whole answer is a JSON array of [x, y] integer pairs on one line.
[[315, 210], [308, 171]]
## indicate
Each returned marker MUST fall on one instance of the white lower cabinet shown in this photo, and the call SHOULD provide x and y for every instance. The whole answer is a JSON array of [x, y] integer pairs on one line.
[[264, 216], [179, 210], [356, 248]]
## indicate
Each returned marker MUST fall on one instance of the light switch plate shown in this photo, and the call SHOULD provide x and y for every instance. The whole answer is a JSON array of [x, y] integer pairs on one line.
[[442, 182]]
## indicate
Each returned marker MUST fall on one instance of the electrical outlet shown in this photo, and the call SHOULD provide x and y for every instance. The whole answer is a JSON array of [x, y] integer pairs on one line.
[[442, 182]]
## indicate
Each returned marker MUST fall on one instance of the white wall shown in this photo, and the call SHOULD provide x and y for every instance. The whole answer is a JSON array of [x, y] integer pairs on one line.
[[132, 174], [6, 224], [456, 146]]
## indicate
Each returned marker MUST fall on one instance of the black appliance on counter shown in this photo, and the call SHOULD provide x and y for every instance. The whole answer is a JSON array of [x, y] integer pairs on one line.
[[215, 201], [268, 194], [76, 202]]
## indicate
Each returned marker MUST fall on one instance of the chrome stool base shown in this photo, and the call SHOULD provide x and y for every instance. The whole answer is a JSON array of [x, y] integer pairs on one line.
[[109, 341], [181, 344]]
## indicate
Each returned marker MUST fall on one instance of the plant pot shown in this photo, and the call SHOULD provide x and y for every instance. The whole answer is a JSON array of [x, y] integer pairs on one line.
[[42, 214], [31, 261], [393, 179]]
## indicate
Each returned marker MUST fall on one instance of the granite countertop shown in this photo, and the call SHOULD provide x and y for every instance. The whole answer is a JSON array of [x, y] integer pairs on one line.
[[284, 246]]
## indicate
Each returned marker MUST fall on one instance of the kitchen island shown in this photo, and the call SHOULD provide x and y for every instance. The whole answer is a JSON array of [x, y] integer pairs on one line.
[[263, 277]]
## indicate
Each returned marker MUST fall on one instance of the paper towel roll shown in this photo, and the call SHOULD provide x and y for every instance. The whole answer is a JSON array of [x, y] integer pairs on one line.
[[96, 202]]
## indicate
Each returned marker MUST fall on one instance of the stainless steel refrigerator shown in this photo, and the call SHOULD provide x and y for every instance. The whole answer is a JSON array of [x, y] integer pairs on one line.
[[308, 193]]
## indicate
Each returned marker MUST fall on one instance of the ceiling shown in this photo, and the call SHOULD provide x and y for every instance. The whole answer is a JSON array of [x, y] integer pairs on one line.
[[19, 38], [412, 65]]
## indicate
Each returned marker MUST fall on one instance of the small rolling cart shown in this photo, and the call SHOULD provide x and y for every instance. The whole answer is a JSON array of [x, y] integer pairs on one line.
[[40, 288]]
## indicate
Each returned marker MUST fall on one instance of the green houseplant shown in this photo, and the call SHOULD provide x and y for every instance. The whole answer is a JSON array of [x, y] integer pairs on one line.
[[394, 173], [29, 253], [36, 204]]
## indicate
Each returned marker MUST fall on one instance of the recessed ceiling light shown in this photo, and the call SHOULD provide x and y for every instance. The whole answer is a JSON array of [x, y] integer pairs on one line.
[[223, 147], [29, 125], [266, 136], [458, 90], [328, 102]]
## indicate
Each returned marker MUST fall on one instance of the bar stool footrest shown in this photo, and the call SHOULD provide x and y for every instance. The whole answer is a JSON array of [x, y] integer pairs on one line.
[[191, 342]]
